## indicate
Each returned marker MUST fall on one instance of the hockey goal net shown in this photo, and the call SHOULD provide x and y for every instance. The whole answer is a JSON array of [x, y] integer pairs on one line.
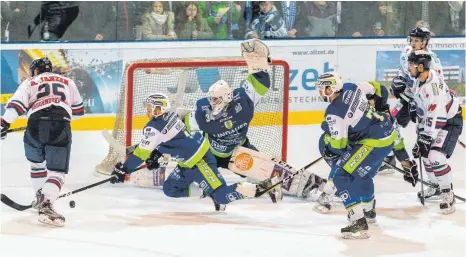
[[186, 80]]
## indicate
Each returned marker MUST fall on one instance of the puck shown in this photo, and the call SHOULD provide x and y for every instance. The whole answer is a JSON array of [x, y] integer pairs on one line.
[[72, 204]]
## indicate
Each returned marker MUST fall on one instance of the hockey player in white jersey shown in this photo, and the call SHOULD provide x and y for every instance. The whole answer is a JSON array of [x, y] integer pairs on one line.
[[50, 100], [401, 88], [439, 124]]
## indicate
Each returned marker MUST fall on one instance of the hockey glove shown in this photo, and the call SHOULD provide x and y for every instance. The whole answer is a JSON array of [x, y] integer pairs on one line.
[[412, 111], [330, 157], [411, 174], [422, 146], [153, 160], [4, 127], [256, 54], [119, 173], [398, 86]]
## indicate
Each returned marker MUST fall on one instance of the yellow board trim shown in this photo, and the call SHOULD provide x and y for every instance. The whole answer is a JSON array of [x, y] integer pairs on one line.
[[4, 98], [260, 119]]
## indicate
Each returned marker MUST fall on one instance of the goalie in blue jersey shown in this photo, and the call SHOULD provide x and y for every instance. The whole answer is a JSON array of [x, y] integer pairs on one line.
[[225, 115]]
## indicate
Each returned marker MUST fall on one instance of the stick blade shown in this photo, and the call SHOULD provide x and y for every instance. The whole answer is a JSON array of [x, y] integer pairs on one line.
[[6, 200]]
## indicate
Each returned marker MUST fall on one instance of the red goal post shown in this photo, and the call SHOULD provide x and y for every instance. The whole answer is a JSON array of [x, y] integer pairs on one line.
[[186, 80]]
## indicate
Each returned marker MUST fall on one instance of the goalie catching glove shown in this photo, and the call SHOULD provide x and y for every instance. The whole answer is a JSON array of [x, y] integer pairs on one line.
[[256, 54]]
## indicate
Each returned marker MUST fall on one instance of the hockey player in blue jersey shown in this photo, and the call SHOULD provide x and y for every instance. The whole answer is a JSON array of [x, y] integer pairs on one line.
[[166, 133], [359, 139], [225, 115]]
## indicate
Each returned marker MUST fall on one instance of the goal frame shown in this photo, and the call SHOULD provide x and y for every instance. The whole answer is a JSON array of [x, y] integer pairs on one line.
[[200, 64]]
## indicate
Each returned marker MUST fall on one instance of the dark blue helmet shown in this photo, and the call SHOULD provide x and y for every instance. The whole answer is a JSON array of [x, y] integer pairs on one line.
[[420, 32], [420, 57], [41, 65]]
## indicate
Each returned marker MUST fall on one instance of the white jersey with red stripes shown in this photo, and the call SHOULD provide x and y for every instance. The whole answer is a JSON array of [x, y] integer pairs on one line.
[[435, 104], [42, 91]]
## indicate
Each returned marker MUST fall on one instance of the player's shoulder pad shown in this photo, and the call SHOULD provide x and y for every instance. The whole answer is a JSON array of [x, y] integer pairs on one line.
[[239, 93], [156, 124], [202, 104]]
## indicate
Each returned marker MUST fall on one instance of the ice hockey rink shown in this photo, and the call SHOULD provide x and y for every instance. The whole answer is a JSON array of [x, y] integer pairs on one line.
[[124, 220]]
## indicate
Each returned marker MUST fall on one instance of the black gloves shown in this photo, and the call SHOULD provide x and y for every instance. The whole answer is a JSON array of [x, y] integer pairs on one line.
[[119, 172], [411, 174], [4, 128], [422, 146]]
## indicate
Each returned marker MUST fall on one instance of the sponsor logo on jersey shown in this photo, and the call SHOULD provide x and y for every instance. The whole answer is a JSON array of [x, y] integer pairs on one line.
[[345, 195], [233, 196], [218, 146], [232, 131], [361, 154], [347, 96], [228, 124], [244, 161], [149, 132], [238, 108]]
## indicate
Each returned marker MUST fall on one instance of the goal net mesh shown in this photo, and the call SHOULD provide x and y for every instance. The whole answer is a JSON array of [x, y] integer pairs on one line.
[[185, 81]]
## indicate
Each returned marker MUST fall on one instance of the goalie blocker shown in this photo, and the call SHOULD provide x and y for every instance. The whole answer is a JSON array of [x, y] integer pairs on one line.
[[252, 164]]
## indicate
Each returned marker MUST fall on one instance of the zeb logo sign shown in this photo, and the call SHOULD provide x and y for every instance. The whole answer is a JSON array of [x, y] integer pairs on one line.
[[306, 78]]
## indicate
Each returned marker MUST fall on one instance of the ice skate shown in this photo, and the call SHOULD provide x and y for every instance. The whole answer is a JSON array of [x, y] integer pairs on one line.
[[447, 205], [371, 215], [324, 203], [275, 193], [48, 215], [386, 169], [218, 207], [431, 192], [39, 199], [357, 230]]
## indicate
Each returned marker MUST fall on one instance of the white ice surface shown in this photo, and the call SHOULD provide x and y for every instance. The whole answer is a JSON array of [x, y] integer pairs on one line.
[[122, 220]]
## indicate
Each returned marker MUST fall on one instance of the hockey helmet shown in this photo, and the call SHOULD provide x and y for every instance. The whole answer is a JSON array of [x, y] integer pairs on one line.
[[420, 57], [220, 95], [420, 32], [330, 79], [41, 65], [157, 100]]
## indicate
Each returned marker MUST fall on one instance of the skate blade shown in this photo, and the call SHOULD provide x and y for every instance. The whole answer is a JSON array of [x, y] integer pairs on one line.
[[320, 208], [448, 210], [371, 221], [386, 172], [357, 235], [46, 220]]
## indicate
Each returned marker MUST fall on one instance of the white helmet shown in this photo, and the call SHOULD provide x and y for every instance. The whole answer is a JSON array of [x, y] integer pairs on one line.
[[329, 79], [158, 100], [220, 95]]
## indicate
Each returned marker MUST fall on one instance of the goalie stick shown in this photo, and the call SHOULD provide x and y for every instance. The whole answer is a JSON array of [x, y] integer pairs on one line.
[[260, 193], [422, 198], [6, 200], [422, 181]]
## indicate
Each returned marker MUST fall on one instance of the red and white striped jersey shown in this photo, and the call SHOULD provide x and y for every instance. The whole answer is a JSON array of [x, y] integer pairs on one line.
[[42, 91]]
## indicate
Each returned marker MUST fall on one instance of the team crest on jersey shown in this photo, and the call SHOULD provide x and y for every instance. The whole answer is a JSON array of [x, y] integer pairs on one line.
[[238, 108], [228, 124]]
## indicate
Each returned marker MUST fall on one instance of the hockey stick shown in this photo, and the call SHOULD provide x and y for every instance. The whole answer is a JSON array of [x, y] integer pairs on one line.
[[462, 144], [422, 181], [260, 193], [15, 129], [6, 200]]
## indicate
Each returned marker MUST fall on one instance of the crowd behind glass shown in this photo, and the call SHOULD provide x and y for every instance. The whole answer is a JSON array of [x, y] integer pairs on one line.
[[28, 21]]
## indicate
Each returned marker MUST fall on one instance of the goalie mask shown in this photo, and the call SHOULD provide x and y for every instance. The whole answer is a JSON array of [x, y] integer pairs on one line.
[[329, 84], [155, 102], [220, 95]]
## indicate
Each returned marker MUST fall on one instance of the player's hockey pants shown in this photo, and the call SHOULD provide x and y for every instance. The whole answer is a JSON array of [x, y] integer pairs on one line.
[[49, 141], [353, 174], [204, 173]]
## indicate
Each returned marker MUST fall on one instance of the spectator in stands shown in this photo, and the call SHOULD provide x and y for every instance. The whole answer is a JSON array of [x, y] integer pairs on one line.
[[457, 16], [158, 24], [361, 19], [318, 19], [269, 24], [190, 25], [434, 14], [125, 13], [21, 15], [222, 17], [54, 18], [94, 22], [251, 10], [289, 12]]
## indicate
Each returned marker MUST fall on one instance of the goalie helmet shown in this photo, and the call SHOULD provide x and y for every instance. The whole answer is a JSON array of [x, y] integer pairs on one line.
[[220, 95], [157, 100], [332, 80], [42, 65]]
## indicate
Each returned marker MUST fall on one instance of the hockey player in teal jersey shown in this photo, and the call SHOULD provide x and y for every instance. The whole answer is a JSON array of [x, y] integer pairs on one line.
[[166, 133], [359, 139]]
